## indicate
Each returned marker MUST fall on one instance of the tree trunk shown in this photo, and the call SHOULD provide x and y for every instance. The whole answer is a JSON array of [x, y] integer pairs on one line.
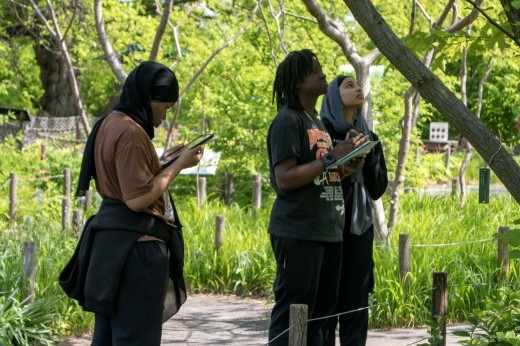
[[111, 56], [57, 99], [53, 28], [464, 100], [462, 177], [404, 147], [434, 91]]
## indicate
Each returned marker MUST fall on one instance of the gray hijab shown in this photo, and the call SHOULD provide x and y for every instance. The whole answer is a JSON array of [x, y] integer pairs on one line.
[[332, 110]]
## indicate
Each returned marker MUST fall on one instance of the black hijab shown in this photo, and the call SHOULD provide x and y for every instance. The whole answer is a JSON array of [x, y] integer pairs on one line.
[[148, 81]]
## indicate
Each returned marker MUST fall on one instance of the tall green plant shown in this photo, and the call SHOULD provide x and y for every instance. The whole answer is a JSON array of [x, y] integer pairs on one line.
[[25, 323]]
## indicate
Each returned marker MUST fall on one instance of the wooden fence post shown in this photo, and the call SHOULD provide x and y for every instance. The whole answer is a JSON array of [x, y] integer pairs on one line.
[[201, 190], [29, 269], [77, 221], [43, 152], [454, 186], [503, 252], [447, 156], [12, 198], [257, 194], [229, 188], [66, 182], [65, 214], [404, 254], [298, 323], [220, 228], [440, 303]]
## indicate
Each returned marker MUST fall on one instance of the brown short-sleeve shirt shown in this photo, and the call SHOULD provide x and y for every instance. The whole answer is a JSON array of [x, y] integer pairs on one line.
[[126, 161]]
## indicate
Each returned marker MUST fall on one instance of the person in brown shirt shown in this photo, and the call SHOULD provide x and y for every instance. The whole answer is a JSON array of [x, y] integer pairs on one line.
[[129, 177]]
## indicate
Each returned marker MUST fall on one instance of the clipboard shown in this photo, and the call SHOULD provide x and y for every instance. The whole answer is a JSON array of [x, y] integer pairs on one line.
[[199, 140], [359, 151]]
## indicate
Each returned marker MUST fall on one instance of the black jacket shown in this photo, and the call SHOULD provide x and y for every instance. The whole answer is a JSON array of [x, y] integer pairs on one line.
[[92, 274], [375, 174]]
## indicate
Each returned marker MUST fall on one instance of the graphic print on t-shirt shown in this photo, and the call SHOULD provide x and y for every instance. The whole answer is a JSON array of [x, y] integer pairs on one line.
[[320, 142]]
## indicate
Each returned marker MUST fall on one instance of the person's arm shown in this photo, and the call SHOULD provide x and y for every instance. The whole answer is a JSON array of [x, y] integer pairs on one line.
[[357, 164], [289, 175], [352, 166], [160, 182]]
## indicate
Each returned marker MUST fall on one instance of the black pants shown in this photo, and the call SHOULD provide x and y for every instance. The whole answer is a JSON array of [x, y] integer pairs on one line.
[[137, 319], [307, 273], [356, 282]]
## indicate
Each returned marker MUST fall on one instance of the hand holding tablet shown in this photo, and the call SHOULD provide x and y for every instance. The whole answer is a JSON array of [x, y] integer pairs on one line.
[[200, 140], [359, 151]]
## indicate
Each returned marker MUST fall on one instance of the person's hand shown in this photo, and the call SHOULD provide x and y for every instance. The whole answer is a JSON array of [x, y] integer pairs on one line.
[[354, 165], [352, 140], [191, 157], [172, 152], [358, 137], [343, 148]]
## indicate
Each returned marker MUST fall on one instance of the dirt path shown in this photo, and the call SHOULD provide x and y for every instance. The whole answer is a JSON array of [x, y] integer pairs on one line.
[[228, 320]]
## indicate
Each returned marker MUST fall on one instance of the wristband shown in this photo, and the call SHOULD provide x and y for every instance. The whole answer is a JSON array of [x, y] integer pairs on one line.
[[327, 160]]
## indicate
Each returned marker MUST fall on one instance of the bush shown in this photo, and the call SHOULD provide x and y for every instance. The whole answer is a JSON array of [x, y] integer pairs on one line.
[[497, 324], [25, 323]]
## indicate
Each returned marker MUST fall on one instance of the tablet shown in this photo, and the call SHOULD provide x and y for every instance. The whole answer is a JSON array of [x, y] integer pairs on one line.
[[359, 151], [200, 140]]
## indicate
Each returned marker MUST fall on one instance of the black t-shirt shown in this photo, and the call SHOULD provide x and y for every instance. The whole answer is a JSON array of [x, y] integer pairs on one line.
[[314, 211]]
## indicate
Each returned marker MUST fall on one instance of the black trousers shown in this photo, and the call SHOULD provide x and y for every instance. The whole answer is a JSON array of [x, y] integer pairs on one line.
[[137, 319], [356, 283], [307, 273]]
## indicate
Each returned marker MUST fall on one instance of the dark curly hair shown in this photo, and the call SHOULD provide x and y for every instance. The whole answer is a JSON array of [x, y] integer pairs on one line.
[[296, 66]]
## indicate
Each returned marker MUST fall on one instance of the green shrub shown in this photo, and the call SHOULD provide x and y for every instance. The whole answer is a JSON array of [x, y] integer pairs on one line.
[[498, 323], [24, 323]]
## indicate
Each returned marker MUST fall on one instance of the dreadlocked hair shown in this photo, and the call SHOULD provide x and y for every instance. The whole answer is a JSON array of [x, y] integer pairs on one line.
[[296, 66]]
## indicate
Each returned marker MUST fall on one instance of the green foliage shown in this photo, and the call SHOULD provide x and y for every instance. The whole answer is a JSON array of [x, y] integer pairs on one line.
[[435, 331], [20, 86], [434, 221], [25, 323], [39, 181], [498, 323], [243, 265], [232, 98]]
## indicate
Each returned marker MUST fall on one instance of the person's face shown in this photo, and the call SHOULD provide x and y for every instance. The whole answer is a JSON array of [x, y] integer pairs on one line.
[[351, 93], [315, 83], [159, 110]]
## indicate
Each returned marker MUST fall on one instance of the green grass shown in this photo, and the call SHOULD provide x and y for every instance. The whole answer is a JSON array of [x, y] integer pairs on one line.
[[244, 265], [431, 169], [471, 265]]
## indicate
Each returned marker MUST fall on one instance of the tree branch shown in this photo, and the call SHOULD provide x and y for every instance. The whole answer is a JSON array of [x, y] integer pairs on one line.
[[271, 44], [208, 60], [160, 29], [494, 23], [111, 56], [457, 26]]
